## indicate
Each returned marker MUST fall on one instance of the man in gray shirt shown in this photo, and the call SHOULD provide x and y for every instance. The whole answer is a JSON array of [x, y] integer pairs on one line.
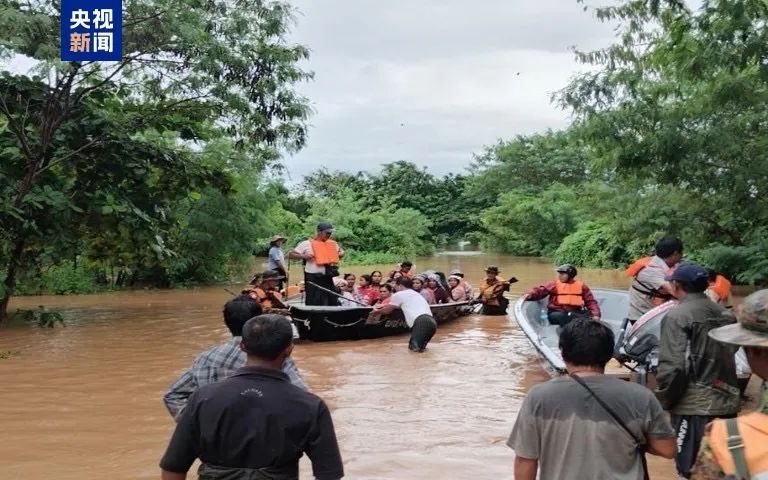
[[649, 287], [563, 431]]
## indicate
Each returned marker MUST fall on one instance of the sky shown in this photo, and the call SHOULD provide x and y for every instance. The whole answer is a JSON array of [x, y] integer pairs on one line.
[[433, 81]]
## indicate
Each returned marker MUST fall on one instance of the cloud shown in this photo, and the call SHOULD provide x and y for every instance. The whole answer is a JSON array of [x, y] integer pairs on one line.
[[432, 81]]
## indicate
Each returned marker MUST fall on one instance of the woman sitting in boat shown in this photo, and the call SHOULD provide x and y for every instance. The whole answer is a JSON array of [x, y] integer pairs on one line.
[[441, 295], [367, 291], [458, 292], [418, 286], [376, 278], [568, 298], [264, 290], [349, 297], [492, 292], [463, 282], [385, 293]]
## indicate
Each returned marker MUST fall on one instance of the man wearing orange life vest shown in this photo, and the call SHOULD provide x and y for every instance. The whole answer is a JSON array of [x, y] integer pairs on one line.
[[264, 290], [719, 290], [738, 448], [568, 298], [649, 288], [321, 257]]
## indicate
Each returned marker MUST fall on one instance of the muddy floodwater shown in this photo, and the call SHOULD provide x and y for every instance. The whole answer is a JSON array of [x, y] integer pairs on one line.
[[84, 401]]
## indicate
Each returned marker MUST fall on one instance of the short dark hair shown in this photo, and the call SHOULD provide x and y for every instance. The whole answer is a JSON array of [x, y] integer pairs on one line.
[[585, 342], [386, 286], [347, 275], [668, 245], [406, 263], [265, 336], [698, 286], [238, 311], [405, 282]]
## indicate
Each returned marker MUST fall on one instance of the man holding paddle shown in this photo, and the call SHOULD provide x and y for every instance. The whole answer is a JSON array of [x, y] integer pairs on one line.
[[321, 257]]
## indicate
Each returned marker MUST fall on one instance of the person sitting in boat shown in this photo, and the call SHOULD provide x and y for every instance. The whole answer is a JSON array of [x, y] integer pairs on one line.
[[719, 290], [376, 278], [492, 290], [264, 290], [350, 297], [458, 293], [404, 269], [568, 298], [440, 293], [385, 293], [470, 291], [419, 286], [367, 291]]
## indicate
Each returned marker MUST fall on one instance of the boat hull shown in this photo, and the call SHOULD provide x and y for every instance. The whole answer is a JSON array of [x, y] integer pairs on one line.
[[322, 324], [532, 318]]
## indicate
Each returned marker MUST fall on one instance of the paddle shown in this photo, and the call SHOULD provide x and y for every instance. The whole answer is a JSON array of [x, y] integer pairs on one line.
[[337, 294]]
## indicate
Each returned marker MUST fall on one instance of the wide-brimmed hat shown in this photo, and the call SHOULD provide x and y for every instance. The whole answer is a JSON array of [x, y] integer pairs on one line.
[[752, 327], [492, 269], [275, 238]]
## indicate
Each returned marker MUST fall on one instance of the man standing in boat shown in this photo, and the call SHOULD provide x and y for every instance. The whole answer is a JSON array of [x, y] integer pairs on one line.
[[568, 298], [696, 376], [587, 425], [492, 290], [255, 424], [321, 257], [416, 311], [649, 288]]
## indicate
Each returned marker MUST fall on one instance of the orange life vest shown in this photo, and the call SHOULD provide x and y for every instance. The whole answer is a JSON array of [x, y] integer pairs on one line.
[[326, 253], [570, 294], [261, 296], [487, 292], [634, 269], [722, 288], [638, 265], [753, 429]]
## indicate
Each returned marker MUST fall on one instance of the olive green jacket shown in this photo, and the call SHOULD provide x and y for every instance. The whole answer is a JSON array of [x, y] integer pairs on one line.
[[696, 375]]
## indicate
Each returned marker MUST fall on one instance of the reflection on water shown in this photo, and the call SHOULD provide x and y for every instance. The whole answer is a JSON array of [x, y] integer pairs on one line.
[[84, 401]]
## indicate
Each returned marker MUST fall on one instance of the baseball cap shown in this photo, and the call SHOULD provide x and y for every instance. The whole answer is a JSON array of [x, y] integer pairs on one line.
[[752, 327], [688, 272], [324, 227]]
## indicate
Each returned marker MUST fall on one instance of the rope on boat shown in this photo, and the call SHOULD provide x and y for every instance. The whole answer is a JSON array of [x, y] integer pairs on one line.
[[329, 322]]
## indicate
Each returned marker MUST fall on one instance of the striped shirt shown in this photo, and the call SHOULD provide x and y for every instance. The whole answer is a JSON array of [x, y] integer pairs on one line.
[[214, 365]]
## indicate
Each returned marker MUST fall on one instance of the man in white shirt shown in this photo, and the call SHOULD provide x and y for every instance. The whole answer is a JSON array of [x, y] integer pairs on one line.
[[321, 256], [416, 311]]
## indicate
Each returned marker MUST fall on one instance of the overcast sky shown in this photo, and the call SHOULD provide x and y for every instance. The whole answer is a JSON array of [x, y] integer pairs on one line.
[[433, 81]]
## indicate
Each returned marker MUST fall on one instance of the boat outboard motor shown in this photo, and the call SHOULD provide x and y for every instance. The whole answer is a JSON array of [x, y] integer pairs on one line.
[[640, 343]]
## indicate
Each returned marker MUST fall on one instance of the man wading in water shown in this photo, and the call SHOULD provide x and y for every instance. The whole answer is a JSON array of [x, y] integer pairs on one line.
[[255, 425], [565, 428], [416, 311]]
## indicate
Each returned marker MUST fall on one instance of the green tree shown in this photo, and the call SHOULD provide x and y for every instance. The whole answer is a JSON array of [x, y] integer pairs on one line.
[[105, 149]]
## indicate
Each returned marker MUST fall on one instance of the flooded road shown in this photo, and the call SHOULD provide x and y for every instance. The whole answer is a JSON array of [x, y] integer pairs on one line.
[[84, 402]]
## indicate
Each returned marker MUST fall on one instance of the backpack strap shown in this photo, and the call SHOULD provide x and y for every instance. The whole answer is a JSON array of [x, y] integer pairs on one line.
[[736, 447], [639, 444]]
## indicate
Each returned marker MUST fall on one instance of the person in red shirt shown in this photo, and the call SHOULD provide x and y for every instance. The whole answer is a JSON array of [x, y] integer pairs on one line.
[[367, 290], [568, 298]]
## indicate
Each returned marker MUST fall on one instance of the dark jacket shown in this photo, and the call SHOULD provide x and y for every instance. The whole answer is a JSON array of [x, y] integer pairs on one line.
[[696, 375]]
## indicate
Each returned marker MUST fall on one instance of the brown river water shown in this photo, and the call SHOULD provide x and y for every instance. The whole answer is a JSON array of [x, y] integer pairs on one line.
[[85, 401]]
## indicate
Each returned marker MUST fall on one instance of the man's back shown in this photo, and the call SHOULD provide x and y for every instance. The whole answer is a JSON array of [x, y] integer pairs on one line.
[[573, 437], [696, 375], [255, 419]]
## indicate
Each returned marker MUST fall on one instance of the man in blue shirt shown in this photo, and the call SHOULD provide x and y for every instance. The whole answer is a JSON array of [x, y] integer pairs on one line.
[[276, 258]]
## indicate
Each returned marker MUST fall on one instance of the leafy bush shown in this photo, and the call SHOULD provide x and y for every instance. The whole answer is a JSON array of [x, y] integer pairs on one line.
[[745, 264], [43, 317], [67, 278], [595, 244]]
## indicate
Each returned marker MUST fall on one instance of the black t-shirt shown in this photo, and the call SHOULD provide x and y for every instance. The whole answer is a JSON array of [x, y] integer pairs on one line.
[[255, 419]]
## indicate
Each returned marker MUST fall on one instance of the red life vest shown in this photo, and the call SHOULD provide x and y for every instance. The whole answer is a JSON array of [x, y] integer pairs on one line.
[[570, 294]]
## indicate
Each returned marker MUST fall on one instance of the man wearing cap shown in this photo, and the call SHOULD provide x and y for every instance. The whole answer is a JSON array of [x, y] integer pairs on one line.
[[492, 292], [255, 425], [264, 289], [321, 257], [568, 298], [738, 447], [696, 376], [276, 259]]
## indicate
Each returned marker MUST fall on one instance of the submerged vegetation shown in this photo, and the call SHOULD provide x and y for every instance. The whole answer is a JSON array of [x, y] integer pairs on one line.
[[161, 170]]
